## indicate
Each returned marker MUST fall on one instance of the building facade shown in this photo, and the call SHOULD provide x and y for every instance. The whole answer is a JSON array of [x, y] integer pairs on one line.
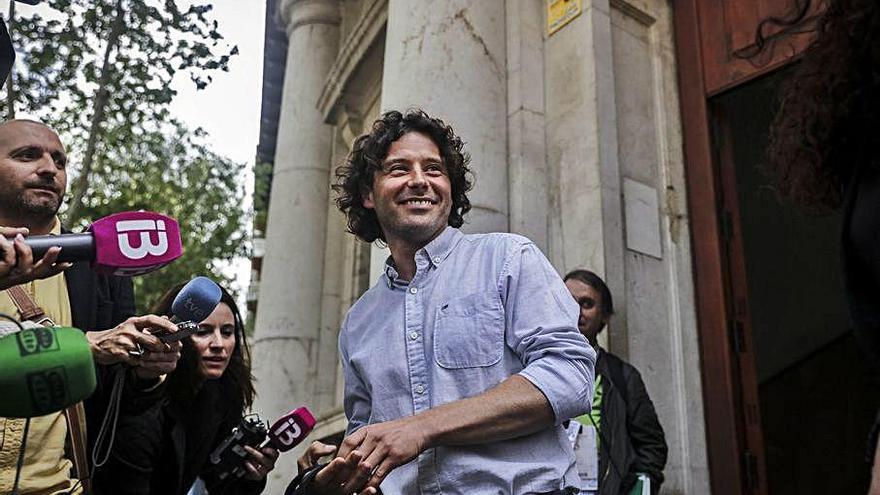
[[613, 134], [575, 143]]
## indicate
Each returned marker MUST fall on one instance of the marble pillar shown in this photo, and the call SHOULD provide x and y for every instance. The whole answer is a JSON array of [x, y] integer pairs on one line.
[[287, 329], [449, 58]]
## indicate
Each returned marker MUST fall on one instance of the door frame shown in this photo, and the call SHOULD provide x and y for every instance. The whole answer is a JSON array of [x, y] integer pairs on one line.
[[722, 439], [730, 390]]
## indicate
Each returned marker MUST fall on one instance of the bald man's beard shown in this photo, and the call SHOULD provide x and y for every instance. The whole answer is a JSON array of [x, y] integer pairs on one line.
[[29, 207]]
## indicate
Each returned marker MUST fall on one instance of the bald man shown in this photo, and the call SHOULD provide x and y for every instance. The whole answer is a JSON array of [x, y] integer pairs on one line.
[[33, 181], [29, 197]]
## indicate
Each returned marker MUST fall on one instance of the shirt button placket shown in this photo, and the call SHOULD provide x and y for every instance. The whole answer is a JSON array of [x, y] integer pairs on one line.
[[415, 352]]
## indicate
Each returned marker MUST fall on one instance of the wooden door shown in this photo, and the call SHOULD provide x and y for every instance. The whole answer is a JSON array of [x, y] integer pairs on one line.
[[709, 36]]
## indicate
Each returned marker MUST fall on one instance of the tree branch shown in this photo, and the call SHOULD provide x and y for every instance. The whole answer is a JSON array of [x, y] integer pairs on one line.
[[10, 91], [79, 187]]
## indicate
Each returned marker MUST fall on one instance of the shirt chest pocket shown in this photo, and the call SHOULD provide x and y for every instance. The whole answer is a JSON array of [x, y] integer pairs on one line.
[[469, 331]]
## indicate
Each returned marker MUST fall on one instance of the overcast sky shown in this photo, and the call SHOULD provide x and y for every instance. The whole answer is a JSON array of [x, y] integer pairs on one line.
[[229, 108]]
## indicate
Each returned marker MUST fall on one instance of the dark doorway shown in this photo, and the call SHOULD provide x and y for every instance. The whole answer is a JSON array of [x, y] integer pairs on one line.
[[797, 358]]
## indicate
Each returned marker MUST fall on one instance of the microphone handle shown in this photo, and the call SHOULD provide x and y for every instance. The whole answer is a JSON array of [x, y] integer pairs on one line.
[[74, 247]]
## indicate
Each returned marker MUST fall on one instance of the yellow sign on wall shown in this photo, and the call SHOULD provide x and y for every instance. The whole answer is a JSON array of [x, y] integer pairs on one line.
[[560, 13]]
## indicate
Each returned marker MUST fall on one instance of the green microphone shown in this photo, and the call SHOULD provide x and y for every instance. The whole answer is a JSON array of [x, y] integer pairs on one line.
[[44, 370]]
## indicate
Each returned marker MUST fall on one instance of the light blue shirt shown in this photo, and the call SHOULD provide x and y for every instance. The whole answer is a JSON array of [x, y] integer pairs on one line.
[[479, 309]]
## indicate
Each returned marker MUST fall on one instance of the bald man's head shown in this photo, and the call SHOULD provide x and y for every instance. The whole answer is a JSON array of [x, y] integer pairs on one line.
[[33, 173]]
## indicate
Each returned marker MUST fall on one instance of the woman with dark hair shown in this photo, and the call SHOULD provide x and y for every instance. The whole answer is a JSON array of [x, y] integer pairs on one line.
[[823, 143], [162, 448], [824, 149]]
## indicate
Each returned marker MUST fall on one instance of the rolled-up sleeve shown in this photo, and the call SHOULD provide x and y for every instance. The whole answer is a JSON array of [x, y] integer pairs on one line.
[[542, 330]]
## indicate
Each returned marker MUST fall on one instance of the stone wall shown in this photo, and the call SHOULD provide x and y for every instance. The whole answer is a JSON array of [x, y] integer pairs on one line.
[[575, 140]]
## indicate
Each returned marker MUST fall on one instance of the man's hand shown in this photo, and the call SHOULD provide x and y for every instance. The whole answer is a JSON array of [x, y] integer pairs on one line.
[[343, 476], [114, 345], [259, 462], [383, 447], [315, 452], [152, 365], [17, 260]]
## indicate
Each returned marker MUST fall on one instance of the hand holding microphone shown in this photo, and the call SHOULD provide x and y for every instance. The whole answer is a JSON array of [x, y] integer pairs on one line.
[[125, 244], [195, 302], [17, 265], [251, 449], [119, 345]]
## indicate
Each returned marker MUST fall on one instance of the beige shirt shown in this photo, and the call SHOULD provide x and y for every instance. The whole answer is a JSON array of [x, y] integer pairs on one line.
[[46, 471]]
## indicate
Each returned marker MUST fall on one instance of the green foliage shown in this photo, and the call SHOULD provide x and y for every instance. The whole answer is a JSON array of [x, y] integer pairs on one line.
[[122, 55], [172, 172], [63, 60], [262, 186]]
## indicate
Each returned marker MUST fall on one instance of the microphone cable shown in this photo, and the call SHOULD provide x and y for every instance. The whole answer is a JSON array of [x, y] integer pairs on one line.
[[13, 320], [110, 416], [113, 407]]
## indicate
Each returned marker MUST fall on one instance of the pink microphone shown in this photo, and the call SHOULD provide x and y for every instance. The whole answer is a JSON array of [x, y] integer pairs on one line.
[[126, 244], [290, 429]]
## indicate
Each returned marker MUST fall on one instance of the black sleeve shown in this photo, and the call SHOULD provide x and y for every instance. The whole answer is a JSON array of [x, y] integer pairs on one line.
[[122, 293], [645, 432]]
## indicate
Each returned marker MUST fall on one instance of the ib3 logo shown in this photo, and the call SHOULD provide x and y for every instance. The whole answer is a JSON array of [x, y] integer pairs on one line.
[[287, 433], [145, 228]]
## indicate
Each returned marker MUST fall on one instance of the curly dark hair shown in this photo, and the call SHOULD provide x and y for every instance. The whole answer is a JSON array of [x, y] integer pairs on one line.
[[827, 119], [237, 382], [355, 177]]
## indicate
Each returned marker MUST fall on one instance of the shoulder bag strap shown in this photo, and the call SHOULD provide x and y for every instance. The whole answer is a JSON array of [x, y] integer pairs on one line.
[[76, 427], [27, 308]]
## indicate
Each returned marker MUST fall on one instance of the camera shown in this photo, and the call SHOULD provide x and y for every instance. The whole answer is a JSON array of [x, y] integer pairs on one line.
[[228, 458]]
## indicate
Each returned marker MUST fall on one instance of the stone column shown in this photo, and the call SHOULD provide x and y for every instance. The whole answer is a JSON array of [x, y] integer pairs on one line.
[[288, 320], [449, 58]]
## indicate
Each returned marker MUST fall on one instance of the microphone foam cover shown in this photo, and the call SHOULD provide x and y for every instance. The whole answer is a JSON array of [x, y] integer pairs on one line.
[[196, 300], [291, 429], [44, 370], [135, 242]]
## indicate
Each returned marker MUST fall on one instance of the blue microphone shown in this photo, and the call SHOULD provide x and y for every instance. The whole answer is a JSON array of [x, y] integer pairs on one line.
[[195, 302]]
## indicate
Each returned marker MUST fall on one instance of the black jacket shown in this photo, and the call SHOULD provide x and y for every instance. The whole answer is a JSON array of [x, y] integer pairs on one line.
[[162, 446], [98, 302], [630, 436]]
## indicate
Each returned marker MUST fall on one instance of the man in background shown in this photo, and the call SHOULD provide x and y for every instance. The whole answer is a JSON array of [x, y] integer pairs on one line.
[[630, 439]]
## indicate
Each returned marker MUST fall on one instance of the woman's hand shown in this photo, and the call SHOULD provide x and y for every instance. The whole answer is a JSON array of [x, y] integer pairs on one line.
[[259, 462]]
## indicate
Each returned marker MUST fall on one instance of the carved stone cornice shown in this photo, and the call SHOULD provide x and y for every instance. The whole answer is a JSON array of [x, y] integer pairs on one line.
[[368, 28], [296, 13], [350, 124]]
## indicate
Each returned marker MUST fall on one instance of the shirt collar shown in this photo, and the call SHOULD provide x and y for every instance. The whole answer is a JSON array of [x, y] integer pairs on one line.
[[437, 251], [56, 227]]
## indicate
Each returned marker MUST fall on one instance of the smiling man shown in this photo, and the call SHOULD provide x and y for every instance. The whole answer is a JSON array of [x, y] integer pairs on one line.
[[464, 359]]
